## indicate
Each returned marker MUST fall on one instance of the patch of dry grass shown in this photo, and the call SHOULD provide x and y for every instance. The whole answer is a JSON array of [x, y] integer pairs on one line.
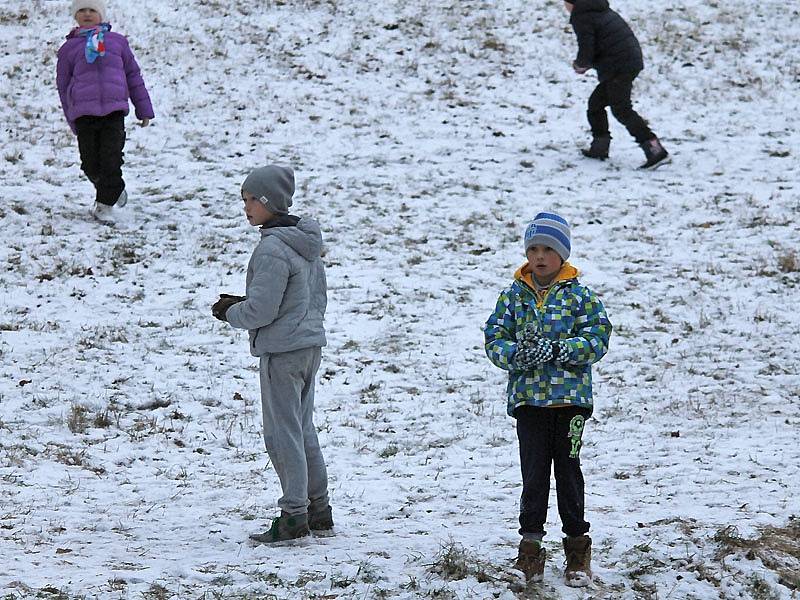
[[777, 547]]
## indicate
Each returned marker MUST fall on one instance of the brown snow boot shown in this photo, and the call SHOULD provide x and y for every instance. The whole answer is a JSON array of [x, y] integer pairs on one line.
[[599, 148], [578, 551], [530, 560], [654, 153], [284, 528]]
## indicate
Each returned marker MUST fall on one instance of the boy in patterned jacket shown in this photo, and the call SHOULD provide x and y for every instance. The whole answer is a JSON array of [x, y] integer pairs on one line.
[[546, 331]]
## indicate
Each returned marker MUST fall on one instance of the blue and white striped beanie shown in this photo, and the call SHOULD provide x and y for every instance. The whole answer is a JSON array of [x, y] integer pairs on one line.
[[549, 229]]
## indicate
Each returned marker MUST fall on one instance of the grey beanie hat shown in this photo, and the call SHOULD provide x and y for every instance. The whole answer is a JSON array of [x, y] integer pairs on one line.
[[273, 185]]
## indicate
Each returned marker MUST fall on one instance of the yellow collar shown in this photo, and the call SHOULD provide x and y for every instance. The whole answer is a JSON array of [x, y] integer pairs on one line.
[[524, 274]]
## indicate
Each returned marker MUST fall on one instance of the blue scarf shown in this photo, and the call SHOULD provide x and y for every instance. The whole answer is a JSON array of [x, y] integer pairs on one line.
[[95, 44]]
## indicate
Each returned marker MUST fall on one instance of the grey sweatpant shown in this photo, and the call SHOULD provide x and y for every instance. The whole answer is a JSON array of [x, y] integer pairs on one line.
[[287, 404]]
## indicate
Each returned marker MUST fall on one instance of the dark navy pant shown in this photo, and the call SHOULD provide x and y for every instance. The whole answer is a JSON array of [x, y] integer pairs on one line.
[[616, 93], [551, 436], [100, 143]]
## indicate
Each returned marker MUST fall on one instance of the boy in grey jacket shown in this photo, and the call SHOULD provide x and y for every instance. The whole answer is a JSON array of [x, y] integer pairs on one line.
[[283, 310]]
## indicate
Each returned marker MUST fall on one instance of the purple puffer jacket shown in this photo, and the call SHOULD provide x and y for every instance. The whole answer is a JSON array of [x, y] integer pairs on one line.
[[103, 86]]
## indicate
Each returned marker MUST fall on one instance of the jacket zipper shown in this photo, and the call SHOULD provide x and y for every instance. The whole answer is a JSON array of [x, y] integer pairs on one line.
[[100, 75]]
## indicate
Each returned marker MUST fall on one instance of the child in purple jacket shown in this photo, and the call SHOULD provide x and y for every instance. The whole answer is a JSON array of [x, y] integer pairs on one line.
[[96, 74]]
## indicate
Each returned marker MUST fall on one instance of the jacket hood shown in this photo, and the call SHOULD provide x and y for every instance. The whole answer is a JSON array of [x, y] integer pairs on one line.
[[75, 32], [590, 6], [305, 238], [524, 274]]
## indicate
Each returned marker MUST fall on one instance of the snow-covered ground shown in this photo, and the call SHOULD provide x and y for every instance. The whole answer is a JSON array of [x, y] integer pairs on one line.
[[424, 135]]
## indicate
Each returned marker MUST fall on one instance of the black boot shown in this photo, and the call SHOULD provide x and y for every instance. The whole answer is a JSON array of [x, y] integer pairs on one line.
[[599, 148], [654, 153], [320, 520], [284, 528]]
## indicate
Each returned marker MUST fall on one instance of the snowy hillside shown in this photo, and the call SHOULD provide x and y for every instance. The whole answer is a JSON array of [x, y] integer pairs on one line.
[[425, 135]]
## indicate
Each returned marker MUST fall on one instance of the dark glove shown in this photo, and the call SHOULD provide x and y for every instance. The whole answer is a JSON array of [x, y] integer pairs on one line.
[[579, 69], [221, 306]]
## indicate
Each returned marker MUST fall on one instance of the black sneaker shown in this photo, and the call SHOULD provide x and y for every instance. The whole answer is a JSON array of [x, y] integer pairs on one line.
[[284, 528]]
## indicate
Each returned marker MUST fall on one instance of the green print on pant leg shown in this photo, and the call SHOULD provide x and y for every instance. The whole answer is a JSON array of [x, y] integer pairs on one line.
[[575, 433]]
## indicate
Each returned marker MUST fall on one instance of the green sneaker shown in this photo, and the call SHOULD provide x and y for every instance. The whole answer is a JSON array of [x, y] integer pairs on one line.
[[284, 528], [321, 520]]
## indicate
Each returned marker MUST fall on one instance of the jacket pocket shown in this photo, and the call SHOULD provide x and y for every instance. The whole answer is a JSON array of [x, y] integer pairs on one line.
[[253, 340]]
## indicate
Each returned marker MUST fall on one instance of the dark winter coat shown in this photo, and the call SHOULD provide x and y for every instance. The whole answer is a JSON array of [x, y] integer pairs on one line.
[[605, 41], [101, 87]]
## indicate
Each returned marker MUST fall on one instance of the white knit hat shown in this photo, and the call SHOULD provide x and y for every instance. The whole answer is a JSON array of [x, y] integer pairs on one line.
[[97, 5]]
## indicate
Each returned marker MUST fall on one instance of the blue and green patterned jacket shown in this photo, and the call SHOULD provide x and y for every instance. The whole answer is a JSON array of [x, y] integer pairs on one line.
[[568, 311]]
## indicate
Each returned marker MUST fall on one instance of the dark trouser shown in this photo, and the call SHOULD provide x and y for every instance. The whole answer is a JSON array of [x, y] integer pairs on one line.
[[616, 93], [100, 142], [551, 435]]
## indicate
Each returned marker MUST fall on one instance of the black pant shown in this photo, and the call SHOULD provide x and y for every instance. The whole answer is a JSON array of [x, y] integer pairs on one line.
[[616, 93], [551, 435], [100, 143]]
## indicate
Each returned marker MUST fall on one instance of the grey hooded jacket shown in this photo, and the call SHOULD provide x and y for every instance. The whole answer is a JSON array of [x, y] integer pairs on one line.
[[286, 291]]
